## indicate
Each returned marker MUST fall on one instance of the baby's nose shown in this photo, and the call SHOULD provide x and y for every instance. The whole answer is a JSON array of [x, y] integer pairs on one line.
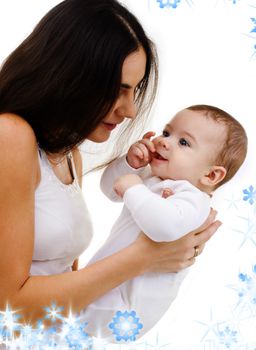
[[164, 143]]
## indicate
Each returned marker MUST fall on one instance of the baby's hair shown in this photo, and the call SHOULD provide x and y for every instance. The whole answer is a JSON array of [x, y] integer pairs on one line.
[[233, 152]]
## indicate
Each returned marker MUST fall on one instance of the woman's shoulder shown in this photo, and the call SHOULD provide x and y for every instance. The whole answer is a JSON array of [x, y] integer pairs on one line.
[[13, 125], [18, 145]]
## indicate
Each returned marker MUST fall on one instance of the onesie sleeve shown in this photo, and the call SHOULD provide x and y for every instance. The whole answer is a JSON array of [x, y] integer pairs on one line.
[[167, 219], [115, 169]]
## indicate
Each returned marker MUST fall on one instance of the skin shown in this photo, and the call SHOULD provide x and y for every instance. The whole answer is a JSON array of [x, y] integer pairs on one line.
[[186, 150], [76, 289]]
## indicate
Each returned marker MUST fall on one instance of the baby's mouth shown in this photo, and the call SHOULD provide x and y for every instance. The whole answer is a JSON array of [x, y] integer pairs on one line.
[[158, 156]]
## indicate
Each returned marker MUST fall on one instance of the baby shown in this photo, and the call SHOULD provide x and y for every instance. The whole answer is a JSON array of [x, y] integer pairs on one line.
[[200, 149]]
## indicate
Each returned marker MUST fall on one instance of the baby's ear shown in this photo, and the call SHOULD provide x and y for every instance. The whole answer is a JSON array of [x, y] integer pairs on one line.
[[215, 175]]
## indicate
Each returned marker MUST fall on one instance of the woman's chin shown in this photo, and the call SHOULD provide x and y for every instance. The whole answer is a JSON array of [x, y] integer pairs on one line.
[[99, 137]]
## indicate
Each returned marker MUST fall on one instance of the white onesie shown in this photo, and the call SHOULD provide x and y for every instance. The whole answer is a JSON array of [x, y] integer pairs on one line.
[[150, 294]]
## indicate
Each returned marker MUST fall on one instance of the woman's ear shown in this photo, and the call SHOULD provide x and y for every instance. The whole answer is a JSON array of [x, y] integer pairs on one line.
[[215, 175]]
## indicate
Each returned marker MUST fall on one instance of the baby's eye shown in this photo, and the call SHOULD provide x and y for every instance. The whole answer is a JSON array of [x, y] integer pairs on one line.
[[184, 142], [165, 133]]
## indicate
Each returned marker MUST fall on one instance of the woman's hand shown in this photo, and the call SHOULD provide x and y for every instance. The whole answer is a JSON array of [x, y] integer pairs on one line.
[[177, 255]]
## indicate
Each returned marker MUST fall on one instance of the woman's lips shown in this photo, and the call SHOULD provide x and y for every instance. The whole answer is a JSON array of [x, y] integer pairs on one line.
[[109, 126]]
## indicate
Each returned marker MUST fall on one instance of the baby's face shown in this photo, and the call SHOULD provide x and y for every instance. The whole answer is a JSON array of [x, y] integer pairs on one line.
[[188, 147]]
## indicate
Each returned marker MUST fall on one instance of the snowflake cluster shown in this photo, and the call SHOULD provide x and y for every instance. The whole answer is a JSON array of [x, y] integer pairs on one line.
[[67, 333], [63, 333]]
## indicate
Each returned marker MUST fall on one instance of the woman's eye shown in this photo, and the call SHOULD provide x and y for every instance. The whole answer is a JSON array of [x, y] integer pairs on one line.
[[183, 142], [165, 133], [121, 92]]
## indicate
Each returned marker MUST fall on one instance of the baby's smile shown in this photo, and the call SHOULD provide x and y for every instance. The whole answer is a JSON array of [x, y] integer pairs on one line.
[[158, 156]]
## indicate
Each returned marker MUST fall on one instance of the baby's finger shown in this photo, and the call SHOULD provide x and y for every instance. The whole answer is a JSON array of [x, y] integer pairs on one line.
[[144, 150], [137, 152], [148, 135], [149, 144], [167, 192]]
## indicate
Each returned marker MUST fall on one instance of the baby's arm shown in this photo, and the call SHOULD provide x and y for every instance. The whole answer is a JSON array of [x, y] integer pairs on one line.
[[113, 171], [165, 219], [137, 158]]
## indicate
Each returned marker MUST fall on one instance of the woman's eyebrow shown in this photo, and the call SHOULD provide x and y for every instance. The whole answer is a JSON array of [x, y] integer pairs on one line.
[[125, 86]]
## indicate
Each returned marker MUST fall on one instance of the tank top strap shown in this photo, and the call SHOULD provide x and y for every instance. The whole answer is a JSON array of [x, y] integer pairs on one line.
[[39, 151], [72, 166]]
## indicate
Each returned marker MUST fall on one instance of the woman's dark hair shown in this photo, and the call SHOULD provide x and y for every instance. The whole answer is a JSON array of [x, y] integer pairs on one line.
[[66, 75]]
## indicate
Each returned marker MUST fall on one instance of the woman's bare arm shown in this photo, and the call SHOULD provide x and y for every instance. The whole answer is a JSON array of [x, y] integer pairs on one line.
[[18, 178]]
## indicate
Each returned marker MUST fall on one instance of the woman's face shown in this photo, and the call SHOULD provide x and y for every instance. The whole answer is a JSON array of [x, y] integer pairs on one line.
[[133, 72]]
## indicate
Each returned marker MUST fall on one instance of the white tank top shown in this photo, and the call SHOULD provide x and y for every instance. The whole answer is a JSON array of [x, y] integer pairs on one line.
[[63, 228]]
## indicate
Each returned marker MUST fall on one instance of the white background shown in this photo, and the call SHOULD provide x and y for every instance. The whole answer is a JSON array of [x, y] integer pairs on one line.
[[206, 54]]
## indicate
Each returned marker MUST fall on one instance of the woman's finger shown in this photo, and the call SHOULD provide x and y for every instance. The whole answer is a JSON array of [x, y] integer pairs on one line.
[[208, 221], [196, 251], [205, 235]]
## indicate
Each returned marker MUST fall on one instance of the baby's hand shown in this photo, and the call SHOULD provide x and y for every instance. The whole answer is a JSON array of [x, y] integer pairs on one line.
[[139, 154], [124, 182]]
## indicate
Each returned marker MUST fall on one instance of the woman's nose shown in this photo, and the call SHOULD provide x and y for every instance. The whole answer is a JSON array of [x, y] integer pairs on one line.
[[127, 108], [130, 110]]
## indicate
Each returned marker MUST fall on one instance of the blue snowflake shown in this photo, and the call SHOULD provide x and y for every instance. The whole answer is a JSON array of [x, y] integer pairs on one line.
[[168, 3], [157, 344], [250, 195], [67, 334], [211, 327], [8, 324], [125, 325], [249, 233], [227, 337], [53, 312], [73, 332], [254, 22], [77, 339], [28, 336]]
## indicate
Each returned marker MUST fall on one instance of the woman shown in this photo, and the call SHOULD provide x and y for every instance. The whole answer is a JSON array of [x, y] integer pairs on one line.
[[85, 69]]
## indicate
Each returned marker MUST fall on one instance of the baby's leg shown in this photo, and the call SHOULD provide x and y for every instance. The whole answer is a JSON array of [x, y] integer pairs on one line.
[[151, 295], [100, 314]]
